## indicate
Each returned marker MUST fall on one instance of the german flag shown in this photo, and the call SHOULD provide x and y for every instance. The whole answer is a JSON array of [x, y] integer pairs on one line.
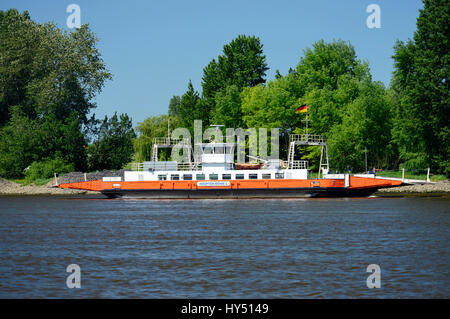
[[302, 109]]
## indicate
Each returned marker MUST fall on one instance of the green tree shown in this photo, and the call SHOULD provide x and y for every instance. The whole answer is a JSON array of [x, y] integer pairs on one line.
[[228, 107], [338, 90], [151, 127], [366, 125], [272, 106], [23, 141], [114, 145], [421, 91], [48, 80], [329, 75], [242, 64], [191, 108], [174, 106], [45, 70], [19, 145]]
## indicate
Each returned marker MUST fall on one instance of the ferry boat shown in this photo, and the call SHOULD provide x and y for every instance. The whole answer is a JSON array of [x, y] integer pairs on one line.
[[215, 175]]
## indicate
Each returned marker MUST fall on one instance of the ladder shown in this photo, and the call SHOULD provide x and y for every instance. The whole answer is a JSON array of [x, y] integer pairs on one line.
[[291, 155], [308, 140]]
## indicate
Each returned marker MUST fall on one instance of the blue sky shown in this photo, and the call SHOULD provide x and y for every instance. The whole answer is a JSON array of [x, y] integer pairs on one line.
[[153, 48]]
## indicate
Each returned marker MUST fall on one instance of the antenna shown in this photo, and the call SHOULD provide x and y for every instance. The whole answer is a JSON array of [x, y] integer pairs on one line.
[[306, 120], [217, 126]]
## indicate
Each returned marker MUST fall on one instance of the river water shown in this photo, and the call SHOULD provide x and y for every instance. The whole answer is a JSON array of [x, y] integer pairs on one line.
[[301, 248]]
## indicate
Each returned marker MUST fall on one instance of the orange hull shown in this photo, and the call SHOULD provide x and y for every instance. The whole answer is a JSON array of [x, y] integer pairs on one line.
[[359, 186]]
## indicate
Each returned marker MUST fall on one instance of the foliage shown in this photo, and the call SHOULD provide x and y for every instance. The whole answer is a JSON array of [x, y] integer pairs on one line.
[[365, 127], [227, 109], [48, 80], [151, 127], [421, 108], [45, 169], [242, 64], [192, 108], [23, 141], [45, 70], [113, 147], [343, 104], [174, 106]]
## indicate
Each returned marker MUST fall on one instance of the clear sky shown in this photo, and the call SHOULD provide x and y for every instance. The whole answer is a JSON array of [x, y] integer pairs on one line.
[[153, 48]]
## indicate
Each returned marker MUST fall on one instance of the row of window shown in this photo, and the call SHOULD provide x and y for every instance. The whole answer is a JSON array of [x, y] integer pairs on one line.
[[201, 177]]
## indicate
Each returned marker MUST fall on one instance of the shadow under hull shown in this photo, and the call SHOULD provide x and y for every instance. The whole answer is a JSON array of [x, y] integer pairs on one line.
[[240, 193]]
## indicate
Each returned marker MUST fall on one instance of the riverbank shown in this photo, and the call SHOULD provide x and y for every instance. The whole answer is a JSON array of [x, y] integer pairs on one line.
[[11, 188], [440, 188]]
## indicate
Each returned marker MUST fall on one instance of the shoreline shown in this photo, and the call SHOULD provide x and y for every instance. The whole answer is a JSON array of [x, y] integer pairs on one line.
[[15, 189], [440, 189]]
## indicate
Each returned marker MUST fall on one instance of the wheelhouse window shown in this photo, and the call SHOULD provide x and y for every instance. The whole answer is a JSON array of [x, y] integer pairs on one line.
[[208, 150], [252, 176], [175, 177], [213, 176], [200, 177], [266, 176], [187, 177], [226, 176], [239, 176], [162, 177], [279, 175]]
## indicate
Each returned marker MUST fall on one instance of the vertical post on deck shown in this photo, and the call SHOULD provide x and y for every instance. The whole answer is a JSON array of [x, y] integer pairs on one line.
[[428, 175], [56, 180], [365, 152], [403, 174]]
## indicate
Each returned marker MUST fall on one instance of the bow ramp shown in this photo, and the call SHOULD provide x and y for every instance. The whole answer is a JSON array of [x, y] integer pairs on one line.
[[88, 185]]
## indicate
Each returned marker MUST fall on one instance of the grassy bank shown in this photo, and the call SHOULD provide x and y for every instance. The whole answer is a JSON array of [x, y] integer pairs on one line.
[[412, 175], [36, 182]]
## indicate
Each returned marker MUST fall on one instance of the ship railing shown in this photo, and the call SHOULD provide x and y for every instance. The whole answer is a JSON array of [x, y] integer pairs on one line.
[[171, 141], [307, 138], [166, 166], [137, 166], [299, 164], [189, 166]]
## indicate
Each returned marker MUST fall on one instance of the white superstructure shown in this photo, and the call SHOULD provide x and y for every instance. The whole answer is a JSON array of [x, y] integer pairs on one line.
[[216, 162]]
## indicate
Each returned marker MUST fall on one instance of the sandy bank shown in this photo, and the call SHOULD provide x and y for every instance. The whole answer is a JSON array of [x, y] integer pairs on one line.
[[11, 188], [441, 187]]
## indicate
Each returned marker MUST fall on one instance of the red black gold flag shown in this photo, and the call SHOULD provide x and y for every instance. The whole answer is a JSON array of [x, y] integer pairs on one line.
[[302, 109]]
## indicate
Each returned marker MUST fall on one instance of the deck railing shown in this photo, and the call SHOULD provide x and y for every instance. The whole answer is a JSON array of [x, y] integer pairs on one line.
[[307, 138], [166, 166], [171, 141], [297, 164]]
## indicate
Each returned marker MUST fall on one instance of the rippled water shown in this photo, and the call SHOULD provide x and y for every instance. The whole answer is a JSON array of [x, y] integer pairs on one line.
[[302, 248]]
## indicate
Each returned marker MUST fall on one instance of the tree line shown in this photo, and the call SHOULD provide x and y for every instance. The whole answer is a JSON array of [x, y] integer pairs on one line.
[[403, 125], [48, 80]]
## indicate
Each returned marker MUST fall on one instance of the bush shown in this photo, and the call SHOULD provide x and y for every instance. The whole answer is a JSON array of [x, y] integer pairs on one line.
[[46, 169]]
